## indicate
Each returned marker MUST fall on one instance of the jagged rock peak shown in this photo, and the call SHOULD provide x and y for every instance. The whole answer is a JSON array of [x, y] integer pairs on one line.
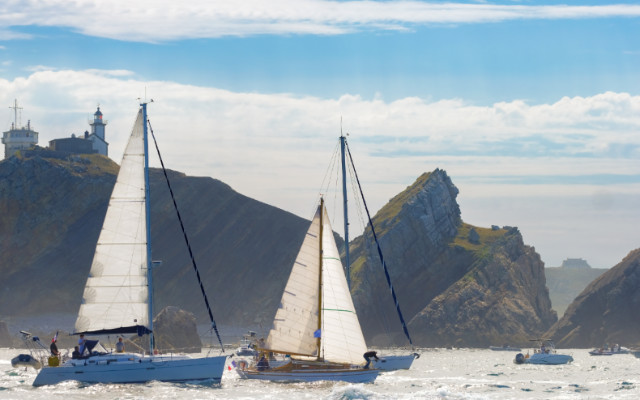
[[429, 204], [606, 310]]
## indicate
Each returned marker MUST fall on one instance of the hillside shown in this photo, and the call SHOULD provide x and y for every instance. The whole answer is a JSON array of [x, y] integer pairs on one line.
[[458, 285], [566, 283], [606, 311], [52, 212]]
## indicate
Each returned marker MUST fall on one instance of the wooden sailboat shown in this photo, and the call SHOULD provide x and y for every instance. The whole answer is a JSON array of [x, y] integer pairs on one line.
[[118, 294], [316, 326]]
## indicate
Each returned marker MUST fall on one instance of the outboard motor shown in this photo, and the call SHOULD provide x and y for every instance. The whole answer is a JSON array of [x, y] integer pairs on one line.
[[519, 359]]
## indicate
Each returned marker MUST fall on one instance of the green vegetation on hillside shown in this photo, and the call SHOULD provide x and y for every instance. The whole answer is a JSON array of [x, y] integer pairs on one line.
[[487, 237], [95, 164], [394, 206]]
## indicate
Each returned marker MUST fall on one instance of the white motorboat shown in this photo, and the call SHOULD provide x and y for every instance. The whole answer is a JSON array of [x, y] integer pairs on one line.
[[118, 294], [247, 347], [545, 354], [609, 351], [395, 362]]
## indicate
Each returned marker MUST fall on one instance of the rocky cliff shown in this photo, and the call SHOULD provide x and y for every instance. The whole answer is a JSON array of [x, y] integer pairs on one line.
[[565, 283], [52, 212], [456, 284], [606, 311]]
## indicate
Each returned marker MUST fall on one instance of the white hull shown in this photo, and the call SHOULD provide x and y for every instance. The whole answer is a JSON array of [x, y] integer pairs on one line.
[[130, 368], [392, 363], [347, 375], [548, 359]]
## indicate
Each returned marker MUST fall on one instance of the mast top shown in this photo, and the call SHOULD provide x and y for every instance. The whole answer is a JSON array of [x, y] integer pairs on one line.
[[15, 113]]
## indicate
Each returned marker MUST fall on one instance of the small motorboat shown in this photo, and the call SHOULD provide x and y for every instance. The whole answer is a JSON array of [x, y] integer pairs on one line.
[[544, 354], [247, 348], [606, 351]]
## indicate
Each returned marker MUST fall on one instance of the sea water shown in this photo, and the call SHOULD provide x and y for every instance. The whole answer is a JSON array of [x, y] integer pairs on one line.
[[437, 374]]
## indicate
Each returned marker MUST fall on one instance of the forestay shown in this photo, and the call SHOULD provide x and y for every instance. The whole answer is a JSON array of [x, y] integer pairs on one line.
[[116, 293]]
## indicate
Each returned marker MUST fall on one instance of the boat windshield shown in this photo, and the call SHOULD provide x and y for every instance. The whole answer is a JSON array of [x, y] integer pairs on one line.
[[95, 347]]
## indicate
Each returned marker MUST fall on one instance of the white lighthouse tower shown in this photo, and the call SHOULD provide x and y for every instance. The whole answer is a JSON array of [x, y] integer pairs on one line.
[[17, 138], [97, 135]]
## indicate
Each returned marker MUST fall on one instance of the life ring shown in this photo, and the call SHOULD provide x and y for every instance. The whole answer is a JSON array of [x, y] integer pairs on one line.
[[242, 365]]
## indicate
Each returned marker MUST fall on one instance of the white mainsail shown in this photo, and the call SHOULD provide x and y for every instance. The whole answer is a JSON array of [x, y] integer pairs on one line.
[[297, 318], [342, 338], [116, 293], [296, 321]]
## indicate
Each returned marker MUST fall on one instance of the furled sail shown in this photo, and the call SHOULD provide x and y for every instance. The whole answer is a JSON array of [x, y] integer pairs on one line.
[[342, 339], [296, 320], [116, 293]]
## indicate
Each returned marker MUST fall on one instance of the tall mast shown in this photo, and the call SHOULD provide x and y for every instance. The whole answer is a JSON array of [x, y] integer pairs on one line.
[[147, 201], [344, 205], [320, 279], [15, 113]]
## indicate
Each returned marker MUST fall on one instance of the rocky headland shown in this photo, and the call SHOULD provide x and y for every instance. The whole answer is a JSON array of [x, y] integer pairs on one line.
[[458, 284], [606, 311]]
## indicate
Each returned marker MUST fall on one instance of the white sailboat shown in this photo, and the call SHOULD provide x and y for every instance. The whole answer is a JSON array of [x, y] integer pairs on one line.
[[118, 294], [316, 326]]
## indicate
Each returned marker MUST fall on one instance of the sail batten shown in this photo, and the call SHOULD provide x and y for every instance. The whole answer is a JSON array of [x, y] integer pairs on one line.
[[116, 294]]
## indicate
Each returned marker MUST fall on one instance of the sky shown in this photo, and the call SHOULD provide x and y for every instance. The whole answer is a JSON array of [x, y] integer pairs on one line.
[[531, 107]]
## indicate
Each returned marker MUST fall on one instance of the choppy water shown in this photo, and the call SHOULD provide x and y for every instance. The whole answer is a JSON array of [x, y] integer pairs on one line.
[[437, 374]]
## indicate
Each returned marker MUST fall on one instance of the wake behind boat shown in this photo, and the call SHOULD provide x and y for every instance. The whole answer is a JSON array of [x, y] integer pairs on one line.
[[118, 294], [316, 328]]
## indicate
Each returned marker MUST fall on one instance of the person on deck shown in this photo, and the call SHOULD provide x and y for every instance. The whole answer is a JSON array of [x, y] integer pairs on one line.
[[76, 353], [120, 346], [81, 343], [54, 348], [368, 355], [263, 363]]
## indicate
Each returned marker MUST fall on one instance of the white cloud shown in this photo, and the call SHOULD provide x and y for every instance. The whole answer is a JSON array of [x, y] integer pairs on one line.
[[163, 20], [276, 147]]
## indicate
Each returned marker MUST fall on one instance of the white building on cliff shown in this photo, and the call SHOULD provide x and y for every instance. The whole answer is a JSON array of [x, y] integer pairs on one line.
[[18, 138], [25, 138]]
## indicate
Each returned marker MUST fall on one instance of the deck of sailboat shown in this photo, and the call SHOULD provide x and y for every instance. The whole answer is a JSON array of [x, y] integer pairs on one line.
[[310, 371], [133, 368]]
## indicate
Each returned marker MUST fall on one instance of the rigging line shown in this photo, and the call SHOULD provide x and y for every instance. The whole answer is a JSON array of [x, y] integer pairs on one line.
[[384, 265], [184, 232], [380, 313], [366, 247], [328, 177]]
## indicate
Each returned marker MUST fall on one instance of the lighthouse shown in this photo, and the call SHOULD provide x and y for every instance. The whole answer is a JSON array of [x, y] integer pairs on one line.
[[18, 138], [97, 135]]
